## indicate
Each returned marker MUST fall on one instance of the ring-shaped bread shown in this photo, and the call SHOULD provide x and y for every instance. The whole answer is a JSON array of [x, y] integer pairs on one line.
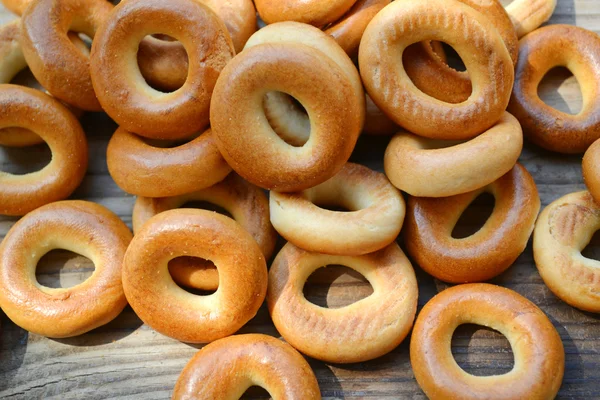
[[314, 12], [22, 107], [480, 46], [528, 15], [558, 46], [374, 218], [591, 170], [226, 368], [562, 231], [364, 330], [142, 169], [123, 92], [536, 345], [82, 227], [432, 168], [171, 310], [488, 252]]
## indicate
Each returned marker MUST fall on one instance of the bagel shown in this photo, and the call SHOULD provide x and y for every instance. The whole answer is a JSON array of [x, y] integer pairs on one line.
[[145, 170], [591, 170], [562, 231], [172, 311], [246, 203], [274, 60], [434, 77], [528, 15], [362, 331], [536, 345], [225, 369], [375, 216], [555, 46], [490, 67], [79, 226], [120, 87], [35, 111], [314, 12], [488, 252], [429, 168]]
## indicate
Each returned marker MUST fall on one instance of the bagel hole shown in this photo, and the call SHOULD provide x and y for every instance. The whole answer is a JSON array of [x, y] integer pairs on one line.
[[453, 59], [287, 117], [160, 81], [63, 269], [256, 392], [560, 90], [336, 286], [592, 249], [206, 205], [24, 160], [186, 270], [482, 351], [475, 216]]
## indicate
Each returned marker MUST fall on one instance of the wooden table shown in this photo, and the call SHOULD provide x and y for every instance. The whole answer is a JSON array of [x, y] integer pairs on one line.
[[127, 359]]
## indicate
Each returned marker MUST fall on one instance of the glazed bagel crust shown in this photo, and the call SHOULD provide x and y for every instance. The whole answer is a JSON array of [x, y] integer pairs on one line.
[[558, 46], [121, 89], [35, 111], [225, 369], [362, 331], [562, 231], [405, 22], [314, 12], [427, 168], [591, 170], [335, 110], [528, 15], [79, 226], [172, 311], [144, 170], [488, 252], [48, 49], [376, 212], [537, 347]]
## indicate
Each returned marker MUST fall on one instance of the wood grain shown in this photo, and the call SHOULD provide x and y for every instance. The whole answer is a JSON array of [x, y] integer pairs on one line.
[[126, 359]]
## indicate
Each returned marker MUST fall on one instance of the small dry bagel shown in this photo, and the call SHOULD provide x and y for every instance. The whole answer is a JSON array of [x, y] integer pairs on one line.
[[536, 345], [375, 216], [121, 89], [528, 15], [562, 231], [558, 46], [305, 63], [314, 12], [436, 78], [591, 170], [488, 252], [226, 368], [142, 169], [35, 111], [81, 227], [433, 168], [246, 203], [361, 331], [54, 60], [174, 312], [480, 46]]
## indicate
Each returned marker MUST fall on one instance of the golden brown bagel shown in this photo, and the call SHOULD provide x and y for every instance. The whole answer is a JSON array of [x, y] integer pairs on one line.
[[433, 76], [405, 22], [142, 169], [591, 170], [314, 12], [562, 231], [172, 311], [305, 63], [537, 347], [375, 216], [488, 252], [79, 226], [246, 203], [558, 46], [35, 111], [362, 331], [121, 89], [433, 168], [54, 60], [225, 369], [528, 15]]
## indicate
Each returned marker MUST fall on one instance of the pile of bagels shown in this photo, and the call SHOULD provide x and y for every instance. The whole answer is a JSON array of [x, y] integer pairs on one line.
[[210, 109]]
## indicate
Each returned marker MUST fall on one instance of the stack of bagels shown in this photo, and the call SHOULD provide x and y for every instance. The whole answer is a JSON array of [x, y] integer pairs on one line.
[[210, 109]]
